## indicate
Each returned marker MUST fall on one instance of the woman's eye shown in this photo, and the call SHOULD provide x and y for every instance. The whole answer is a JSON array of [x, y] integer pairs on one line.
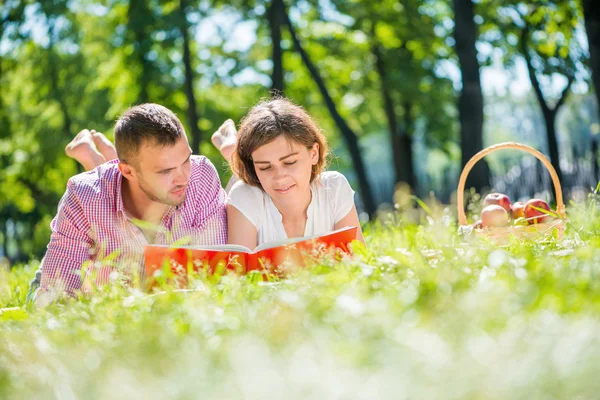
[[165, 172], [265, 168], [289, 163]]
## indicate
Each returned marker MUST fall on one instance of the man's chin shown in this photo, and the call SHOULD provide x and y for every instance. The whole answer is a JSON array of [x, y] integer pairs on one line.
[[176, 202], [180, 201]]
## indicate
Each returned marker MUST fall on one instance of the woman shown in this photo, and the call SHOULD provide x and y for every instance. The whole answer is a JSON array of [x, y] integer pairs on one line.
[[284, 191]]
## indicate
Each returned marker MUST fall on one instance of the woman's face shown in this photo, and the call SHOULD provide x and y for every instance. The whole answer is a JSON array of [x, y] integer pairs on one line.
[[284, 168]]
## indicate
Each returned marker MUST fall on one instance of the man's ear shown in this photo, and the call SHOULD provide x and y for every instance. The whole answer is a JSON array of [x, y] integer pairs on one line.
[[314, 154], [127, 170]]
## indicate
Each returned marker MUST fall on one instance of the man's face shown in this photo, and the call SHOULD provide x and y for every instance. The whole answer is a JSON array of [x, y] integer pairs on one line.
[[163, 172]]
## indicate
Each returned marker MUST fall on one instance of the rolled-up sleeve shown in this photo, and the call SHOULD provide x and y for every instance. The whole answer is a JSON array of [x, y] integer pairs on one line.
[[210, 206], [70, 246]]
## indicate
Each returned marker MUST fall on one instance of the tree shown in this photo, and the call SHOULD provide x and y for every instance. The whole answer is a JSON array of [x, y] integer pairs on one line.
[[591, 14], [192, 110], [543, 35], [347, 133], [548, 111], [140, 21], [276, 20], [470, 103]]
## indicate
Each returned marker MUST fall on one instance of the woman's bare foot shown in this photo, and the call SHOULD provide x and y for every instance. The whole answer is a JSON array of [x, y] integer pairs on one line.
[[105, 146], [83, 150], [225, 139]]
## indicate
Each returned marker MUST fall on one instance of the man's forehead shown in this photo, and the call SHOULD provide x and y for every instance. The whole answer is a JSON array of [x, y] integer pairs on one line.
[[155, 155]]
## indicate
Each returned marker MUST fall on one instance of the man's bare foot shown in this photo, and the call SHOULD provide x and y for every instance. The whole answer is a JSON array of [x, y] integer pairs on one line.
[[83, 150], [225, 139], [105, 146]]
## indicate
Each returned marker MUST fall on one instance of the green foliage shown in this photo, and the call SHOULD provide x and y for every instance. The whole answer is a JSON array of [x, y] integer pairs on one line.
[[546, 30], [419, 305], [70, 65]]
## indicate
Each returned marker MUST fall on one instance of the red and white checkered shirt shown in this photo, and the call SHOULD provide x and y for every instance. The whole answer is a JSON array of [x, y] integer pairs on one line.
[[91, 225]]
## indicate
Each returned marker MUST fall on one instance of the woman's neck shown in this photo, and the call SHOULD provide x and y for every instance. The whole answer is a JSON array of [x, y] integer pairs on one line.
[[295, 211]]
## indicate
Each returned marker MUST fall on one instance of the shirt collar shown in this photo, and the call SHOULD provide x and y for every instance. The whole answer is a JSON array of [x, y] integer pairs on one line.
[[119, 185]]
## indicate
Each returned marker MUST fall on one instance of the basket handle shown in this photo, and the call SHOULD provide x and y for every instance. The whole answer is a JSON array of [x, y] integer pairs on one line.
[[462, 218]]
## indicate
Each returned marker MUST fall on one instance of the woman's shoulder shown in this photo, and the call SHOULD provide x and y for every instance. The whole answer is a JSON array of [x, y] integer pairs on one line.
[[333, 179], [242, 190]]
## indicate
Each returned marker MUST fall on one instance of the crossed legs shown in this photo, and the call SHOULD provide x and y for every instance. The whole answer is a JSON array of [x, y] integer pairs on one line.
[[91, 148]]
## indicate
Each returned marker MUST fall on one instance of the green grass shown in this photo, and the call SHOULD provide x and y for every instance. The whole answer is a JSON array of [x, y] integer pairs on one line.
[[421, 314]]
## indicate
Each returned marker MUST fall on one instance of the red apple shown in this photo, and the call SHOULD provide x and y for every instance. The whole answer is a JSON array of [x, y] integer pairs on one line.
[[518, 210], [532, 212], [494, 215], [499, 199]]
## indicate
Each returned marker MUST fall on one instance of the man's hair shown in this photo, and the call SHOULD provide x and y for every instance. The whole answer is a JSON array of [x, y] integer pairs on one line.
[[145, 123], [264, 123]]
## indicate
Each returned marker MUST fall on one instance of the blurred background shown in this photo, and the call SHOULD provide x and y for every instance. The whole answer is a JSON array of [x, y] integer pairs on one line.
[[405, 90]]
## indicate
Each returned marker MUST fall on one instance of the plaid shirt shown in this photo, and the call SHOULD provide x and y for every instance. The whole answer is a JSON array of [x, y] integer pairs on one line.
[[91, 225]]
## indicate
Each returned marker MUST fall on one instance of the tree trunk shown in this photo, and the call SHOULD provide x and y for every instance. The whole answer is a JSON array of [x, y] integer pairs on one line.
[[14, 17], [549, 120], [347, 133], [59, 95], [406, 146], [549, 113], [595, 166], [4, 233], [470, 103], [188, 85], [138, 16], [591, 13], [4, 120], [401, 154], [275, 15]]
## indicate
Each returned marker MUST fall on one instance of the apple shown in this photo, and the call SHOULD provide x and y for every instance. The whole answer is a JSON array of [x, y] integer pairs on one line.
[[536, 216], [494, 215], [518, 210], [498, 199]]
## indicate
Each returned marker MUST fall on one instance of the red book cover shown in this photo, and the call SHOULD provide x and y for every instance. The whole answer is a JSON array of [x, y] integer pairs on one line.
[[266, 257]]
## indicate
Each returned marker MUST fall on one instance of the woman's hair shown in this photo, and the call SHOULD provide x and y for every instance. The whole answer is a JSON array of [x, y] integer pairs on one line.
[[264, 123]]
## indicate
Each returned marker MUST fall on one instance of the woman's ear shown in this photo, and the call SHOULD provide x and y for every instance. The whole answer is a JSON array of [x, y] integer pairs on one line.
[[314, 154]]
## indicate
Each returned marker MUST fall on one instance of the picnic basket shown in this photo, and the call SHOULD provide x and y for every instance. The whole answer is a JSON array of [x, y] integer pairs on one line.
[[501, 234]]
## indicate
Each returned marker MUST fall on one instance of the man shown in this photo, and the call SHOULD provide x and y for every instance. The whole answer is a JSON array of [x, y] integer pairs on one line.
[[156, 192]]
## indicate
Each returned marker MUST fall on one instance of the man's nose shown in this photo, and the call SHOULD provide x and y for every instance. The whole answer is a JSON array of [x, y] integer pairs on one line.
[[181, 178]]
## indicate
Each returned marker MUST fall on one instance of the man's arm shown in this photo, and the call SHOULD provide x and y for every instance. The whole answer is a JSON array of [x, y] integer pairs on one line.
[[70, 246], [211, 207]]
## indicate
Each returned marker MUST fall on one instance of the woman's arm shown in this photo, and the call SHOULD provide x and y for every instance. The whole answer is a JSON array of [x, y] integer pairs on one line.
[[351, 219], [239, 229]]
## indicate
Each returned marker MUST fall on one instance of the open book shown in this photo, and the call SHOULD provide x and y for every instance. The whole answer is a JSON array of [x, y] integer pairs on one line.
[[268, 256]]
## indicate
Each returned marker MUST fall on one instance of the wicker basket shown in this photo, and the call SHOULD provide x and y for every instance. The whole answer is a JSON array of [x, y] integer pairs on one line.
[[502, 234]]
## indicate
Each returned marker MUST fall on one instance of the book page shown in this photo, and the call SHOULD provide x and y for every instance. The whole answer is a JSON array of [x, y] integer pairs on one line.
[[222, 247], [283, 242]]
